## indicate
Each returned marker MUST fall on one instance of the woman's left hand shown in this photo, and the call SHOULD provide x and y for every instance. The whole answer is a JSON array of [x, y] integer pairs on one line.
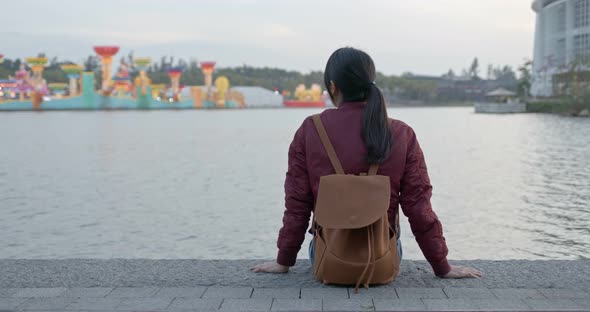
[[462, 272], [270, 267]]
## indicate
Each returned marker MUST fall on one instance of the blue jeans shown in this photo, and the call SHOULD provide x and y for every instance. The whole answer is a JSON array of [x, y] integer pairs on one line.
[[400, 251]]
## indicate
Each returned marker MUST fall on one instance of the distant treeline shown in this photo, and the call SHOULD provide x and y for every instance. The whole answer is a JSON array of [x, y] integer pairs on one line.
[[407, 87]]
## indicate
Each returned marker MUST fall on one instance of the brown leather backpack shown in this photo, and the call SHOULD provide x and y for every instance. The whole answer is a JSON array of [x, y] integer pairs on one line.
[[354, 242]]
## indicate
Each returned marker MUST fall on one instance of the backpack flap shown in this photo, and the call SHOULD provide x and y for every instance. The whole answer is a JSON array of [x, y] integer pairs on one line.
[[351, 202]]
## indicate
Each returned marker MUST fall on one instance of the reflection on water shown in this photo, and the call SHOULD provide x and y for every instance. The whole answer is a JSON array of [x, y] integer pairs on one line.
[[558, 189], [209, 184]]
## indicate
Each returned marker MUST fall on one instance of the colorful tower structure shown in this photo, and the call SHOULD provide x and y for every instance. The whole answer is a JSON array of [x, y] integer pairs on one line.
[[122, 80], [175, 73], [22, 81], [197, 95], [73, 72], [122, 86], [207, 68], [1, 58], [58, 88], [222, 85], [142, 81], [142, 63], [37, 65], [106, 54], [307, 97]]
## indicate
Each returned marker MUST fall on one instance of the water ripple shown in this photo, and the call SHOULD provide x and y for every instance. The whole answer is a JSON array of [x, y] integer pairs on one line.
[[210, 184]]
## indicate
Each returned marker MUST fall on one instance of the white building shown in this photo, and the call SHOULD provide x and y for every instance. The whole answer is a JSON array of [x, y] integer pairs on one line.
[[562, 36], [260, 97]]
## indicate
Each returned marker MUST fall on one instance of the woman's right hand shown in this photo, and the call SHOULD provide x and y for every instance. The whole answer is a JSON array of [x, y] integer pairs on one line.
[[270, 267], [462, 272]]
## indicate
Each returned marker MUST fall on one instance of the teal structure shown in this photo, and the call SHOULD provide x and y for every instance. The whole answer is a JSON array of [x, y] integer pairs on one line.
[[144, 101], [91, 100], [88, 93]]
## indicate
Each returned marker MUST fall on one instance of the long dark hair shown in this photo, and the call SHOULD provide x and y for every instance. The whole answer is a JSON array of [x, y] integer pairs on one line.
[[353, 73]]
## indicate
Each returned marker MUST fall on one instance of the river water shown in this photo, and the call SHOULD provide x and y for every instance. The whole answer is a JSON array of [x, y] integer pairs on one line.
[[209, 184]]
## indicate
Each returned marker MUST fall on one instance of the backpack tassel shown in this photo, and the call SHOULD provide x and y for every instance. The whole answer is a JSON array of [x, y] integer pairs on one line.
[[370, 257], [373, 254]]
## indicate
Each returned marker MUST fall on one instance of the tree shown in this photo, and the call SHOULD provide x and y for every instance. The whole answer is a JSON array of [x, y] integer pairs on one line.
[[524, 80], [450, 75], [572, 85], [91, 63], [474, 70], [16, 65], [576, 79], [490, 74], [130, 60], [465, 73], [505, 74]]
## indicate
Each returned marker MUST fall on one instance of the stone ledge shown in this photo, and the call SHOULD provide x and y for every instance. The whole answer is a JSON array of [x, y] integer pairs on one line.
[[201, 285], [190, 273]]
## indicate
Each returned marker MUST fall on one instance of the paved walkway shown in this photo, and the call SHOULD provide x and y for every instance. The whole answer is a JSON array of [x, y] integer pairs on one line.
[[193, 285]]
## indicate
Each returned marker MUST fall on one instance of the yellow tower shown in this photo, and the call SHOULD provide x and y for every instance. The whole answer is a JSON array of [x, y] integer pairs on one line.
[[143, 81], [222, 85]]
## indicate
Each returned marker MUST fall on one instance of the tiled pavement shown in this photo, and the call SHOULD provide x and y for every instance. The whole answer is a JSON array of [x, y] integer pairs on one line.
[[202, 285], [291, 299]]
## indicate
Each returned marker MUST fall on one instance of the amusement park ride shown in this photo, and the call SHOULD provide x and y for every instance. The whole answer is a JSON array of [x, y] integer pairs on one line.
[[307, 97], [30, 91], [117, 91]]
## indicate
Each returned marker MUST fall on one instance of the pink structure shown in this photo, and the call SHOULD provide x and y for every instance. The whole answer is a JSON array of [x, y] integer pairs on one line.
[[22, 77]]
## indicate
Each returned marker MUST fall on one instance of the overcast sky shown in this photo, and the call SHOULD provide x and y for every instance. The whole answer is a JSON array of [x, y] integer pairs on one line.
[[421, 36]]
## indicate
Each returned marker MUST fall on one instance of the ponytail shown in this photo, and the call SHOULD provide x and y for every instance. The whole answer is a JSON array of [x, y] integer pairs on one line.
[[376, 129]]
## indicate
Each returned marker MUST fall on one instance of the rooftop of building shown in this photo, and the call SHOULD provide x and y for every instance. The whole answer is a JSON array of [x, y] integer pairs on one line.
[[539, 4]]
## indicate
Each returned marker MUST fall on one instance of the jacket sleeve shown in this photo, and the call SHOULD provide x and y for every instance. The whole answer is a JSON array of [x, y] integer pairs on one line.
[[415, 194], [298, 203]]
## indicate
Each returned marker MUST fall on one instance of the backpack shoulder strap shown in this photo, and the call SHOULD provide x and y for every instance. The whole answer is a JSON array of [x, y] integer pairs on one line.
[[373, 169], [327, 144]]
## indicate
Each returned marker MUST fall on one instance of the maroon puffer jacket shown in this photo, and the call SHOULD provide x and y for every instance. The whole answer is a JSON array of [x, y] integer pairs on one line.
[[410, 185]]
